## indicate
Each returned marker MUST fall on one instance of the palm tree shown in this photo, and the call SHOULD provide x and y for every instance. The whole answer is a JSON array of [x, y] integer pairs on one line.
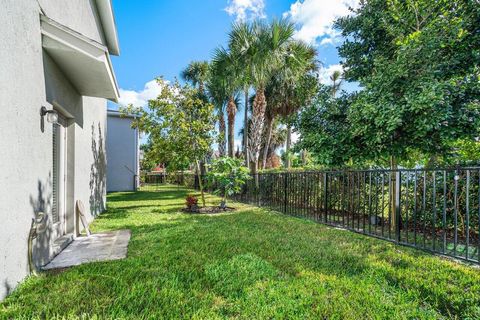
[[216, 92], [260, 49], [287, 90], [337, 80], [225, 69], [197, 74], [278, 136], [242, 37], [222, 143]]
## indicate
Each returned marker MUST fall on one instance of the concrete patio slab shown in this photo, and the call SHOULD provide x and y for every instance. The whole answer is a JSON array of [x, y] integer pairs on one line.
[[96, 247]]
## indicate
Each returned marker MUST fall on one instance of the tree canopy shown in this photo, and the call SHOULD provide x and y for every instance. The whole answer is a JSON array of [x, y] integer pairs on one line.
[[418, 66], [180, 125]]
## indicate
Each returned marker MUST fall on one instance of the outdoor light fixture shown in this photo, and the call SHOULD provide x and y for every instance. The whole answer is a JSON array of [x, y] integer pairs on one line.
[[52, 115]]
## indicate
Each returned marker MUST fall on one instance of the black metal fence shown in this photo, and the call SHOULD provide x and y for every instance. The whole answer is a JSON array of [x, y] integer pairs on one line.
[[437, 210], [153, 181]]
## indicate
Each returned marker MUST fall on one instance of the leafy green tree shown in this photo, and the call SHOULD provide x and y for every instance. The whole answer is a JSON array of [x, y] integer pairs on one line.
[[180, 124], [197, 73], [325, 129], [228, 176], [150, 160], [466, 151], [418, 62]]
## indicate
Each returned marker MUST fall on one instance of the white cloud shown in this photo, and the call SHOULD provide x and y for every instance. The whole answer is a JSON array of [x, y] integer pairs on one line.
[[325, 73], [326, 41], [246, 9], [140, 98], [315, 18]]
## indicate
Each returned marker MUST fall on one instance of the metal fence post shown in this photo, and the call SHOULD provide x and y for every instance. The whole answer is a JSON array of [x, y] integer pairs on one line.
[[349, 198], [398, 206], [325, 185]]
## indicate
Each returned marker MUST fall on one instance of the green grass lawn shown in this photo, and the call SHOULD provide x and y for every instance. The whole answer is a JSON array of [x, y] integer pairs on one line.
[[251, 264]]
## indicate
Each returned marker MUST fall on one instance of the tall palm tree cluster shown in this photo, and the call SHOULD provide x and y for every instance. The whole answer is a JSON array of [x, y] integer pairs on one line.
[[274, 72]]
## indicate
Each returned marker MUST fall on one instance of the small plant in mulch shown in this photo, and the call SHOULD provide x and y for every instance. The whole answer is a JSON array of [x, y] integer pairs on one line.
[[192, 203], [209, 210], [226, 177]]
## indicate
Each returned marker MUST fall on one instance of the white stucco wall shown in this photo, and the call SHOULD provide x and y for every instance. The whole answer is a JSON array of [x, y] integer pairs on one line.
[[30, 79], [78, 15], [122, 153]]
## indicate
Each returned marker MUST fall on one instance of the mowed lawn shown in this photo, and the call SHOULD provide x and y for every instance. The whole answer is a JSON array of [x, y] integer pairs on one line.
[[251, 264]]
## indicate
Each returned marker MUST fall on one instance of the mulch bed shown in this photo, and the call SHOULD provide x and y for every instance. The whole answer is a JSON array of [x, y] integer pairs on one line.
[[208, 210]]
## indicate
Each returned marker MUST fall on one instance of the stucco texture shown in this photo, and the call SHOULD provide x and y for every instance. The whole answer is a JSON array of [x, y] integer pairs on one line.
[[122, 154], [30, 79]]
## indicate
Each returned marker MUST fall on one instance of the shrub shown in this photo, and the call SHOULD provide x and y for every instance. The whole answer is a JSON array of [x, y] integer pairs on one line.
[[227, 176]]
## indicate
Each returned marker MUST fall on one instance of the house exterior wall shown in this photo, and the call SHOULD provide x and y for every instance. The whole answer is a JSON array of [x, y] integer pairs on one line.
[[78, 15], [122, 154], [29, 78]]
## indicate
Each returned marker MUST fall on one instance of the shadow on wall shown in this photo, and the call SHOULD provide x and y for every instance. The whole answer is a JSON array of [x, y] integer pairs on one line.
[[41, 203], [8, 288], [97, 173]]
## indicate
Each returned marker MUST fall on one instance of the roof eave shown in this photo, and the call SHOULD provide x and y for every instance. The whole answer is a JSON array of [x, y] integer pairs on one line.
[[105, 10], [85, 62]]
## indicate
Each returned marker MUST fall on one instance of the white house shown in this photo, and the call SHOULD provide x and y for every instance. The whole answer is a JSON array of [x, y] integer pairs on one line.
[[122, 153], [54, 55]]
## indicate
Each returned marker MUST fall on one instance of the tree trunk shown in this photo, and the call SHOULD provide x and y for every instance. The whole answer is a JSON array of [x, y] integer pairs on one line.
[[231, 111], [164, 174], [200, 182], [222, 130], [203, 167], [254, 171], [245, 131], [269, 124], [258, 115], [288, 145]]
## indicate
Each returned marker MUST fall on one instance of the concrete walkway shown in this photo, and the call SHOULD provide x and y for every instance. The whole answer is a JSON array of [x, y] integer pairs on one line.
[[97, 247]]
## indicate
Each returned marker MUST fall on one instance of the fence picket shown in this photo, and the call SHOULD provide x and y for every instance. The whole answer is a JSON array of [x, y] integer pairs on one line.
[[426, 211]]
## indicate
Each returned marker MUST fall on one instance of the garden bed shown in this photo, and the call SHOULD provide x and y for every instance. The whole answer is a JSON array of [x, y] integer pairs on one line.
[[208, 210]]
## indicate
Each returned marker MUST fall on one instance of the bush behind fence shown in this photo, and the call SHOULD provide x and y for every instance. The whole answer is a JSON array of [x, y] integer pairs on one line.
[[436, 210]]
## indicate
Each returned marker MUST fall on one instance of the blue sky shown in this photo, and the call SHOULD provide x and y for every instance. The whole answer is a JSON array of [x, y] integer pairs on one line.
[[159, 38]]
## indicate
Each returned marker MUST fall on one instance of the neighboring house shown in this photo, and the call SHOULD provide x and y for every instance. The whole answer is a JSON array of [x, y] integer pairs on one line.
[[122, 153], [158, 169], [54, 54]]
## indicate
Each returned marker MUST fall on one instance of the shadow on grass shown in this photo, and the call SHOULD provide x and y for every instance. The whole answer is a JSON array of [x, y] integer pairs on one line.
[[249, 264], [234, 249], [146, 195]]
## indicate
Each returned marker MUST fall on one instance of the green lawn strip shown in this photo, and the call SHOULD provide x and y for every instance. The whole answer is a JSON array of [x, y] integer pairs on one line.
[[252, 263]]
